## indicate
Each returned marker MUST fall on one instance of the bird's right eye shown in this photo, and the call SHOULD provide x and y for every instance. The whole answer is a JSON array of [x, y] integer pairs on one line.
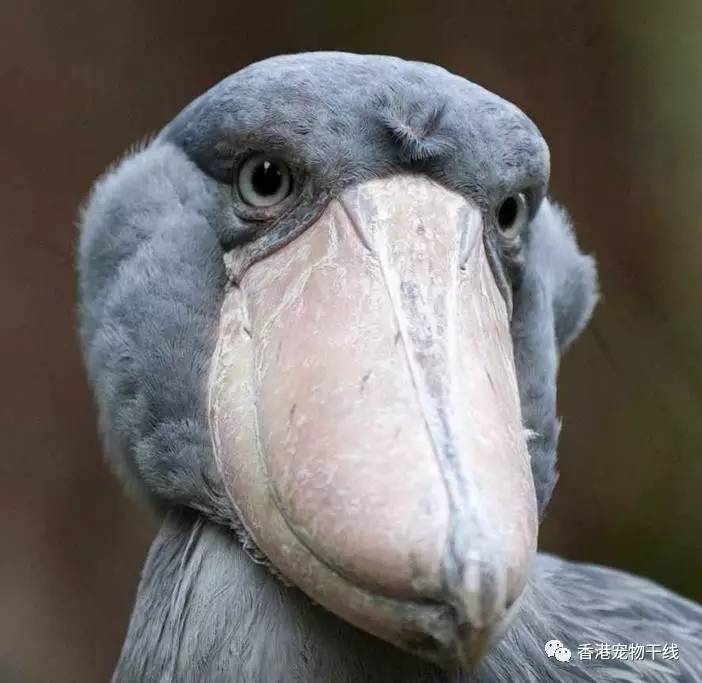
[[264, 181], [512, 215]]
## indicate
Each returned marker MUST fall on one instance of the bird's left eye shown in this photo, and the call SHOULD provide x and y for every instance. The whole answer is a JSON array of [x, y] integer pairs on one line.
[[264, 181], [512, 215]]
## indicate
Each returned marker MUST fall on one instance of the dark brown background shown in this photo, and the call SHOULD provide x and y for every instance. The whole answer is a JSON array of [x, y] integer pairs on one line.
[[617, 90]]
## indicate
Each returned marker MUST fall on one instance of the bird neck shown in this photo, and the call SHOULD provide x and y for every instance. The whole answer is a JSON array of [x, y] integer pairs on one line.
[[206, 611]]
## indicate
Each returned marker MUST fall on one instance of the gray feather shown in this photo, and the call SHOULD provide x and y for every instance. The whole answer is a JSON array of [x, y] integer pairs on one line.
[[151, 281], [207, 613]]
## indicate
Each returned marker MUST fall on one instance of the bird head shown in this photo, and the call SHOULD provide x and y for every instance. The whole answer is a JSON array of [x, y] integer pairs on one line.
[[325, 305]]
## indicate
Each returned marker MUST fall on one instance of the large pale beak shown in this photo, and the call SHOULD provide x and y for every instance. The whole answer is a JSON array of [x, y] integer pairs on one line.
[[366, 420]]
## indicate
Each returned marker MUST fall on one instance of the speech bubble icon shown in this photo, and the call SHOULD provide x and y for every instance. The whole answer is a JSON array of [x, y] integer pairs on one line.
[[562, 654], [551, 647]]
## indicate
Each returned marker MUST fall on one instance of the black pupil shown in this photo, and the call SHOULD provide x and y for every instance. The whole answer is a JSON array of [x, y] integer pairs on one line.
[[267, 178], [507, 213]]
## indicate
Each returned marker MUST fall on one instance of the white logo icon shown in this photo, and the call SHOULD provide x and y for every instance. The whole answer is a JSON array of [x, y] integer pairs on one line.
[[555, 648], [563, 654]]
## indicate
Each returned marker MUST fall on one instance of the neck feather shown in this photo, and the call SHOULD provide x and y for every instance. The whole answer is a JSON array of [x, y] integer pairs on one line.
[[206, 611]]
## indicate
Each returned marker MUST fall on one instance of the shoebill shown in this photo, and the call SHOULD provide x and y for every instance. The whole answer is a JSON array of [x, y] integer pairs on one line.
[[322, 313]]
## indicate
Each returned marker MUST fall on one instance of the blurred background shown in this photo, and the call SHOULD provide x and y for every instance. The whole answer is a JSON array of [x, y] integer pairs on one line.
[[616, 88]]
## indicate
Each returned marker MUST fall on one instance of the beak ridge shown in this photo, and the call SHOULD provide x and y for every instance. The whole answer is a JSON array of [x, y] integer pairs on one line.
[[366, 419]]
